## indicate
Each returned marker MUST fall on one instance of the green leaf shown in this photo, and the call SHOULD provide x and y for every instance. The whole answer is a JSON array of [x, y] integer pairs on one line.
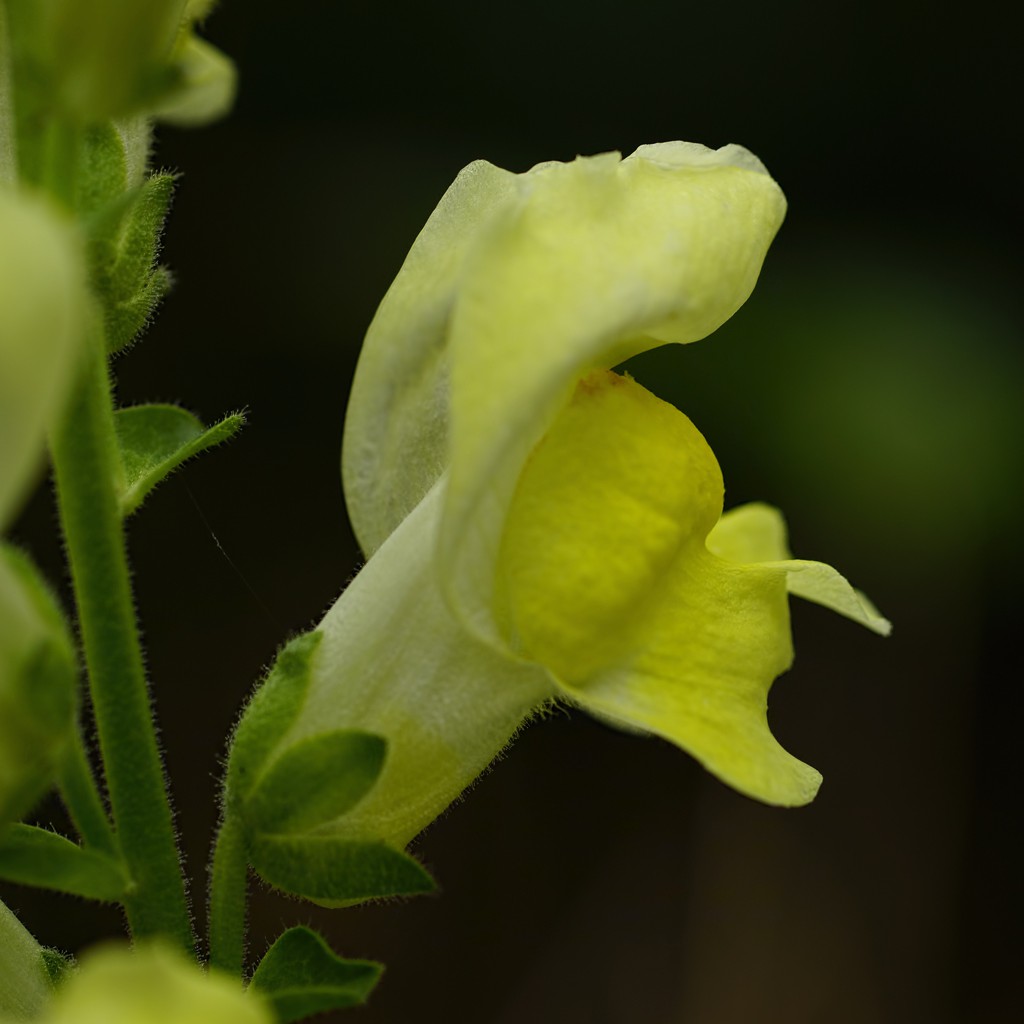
[[35, 856], [301, 976], [124, 320], [315, 781], [268, 716], [140, 236], [156, 439], [124, 232], [331, 869], [123, 225]]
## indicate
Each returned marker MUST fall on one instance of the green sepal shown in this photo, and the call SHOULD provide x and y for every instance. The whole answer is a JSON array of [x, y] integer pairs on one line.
[[315, 781], [334, 871], [274, 707], [125, 320], [141, 230], [35, 856], [156, 439], [124, 239], [300, 975], [135, 284], [125, 221]]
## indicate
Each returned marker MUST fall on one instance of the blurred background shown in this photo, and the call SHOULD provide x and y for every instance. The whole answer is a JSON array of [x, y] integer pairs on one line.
[[871, 388]]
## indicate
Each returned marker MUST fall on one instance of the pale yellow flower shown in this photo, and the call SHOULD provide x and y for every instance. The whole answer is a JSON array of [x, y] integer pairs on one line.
[[540, 529]]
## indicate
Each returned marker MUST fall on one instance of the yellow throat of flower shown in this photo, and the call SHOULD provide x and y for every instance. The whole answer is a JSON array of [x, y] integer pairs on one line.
[[621, 488], [606, 579]]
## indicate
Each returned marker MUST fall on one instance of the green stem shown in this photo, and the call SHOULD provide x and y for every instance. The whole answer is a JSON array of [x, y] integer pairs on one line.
[[82, 798], [86, 467], [228, 885]]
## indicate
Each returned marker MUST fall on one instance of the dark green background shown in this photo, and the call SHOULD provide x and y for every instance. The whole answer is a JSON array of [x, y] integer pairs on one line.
[[870, 389]]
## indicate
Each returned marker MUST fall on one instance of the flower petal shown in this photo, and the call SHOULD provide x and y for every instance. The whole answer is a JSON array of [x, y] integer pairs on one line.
[[519, 284], [620, 488], [757, 533], [396, 427], [598, 260], [701, 679], [820, 583], [604, 577]]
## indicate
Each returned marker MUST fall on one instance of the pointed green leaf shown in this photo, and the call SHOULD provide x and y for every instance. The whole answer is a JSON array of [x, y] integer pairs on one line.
[[35, 856], [315, 781], [123, 227], [301, 975], [330, 869], [140, 235], [156, 439], [269, 715], [125, 240], [116, 216], [125, 320]]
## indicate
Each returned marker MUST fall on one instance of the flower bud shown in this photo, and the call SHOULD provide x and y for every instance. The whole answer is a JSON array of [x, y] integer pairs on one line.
[[102, 58], [151, 985], [43, 310]]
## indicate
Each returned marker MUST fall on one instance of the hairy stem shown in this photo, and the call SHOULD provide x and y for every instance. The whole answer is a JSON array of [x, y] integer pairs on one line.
[[87, 469]]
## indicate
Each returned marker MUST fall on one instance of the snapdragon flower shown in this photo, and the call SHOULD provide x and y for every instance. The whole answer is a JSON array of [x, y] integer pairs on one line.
[[540, 529]]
